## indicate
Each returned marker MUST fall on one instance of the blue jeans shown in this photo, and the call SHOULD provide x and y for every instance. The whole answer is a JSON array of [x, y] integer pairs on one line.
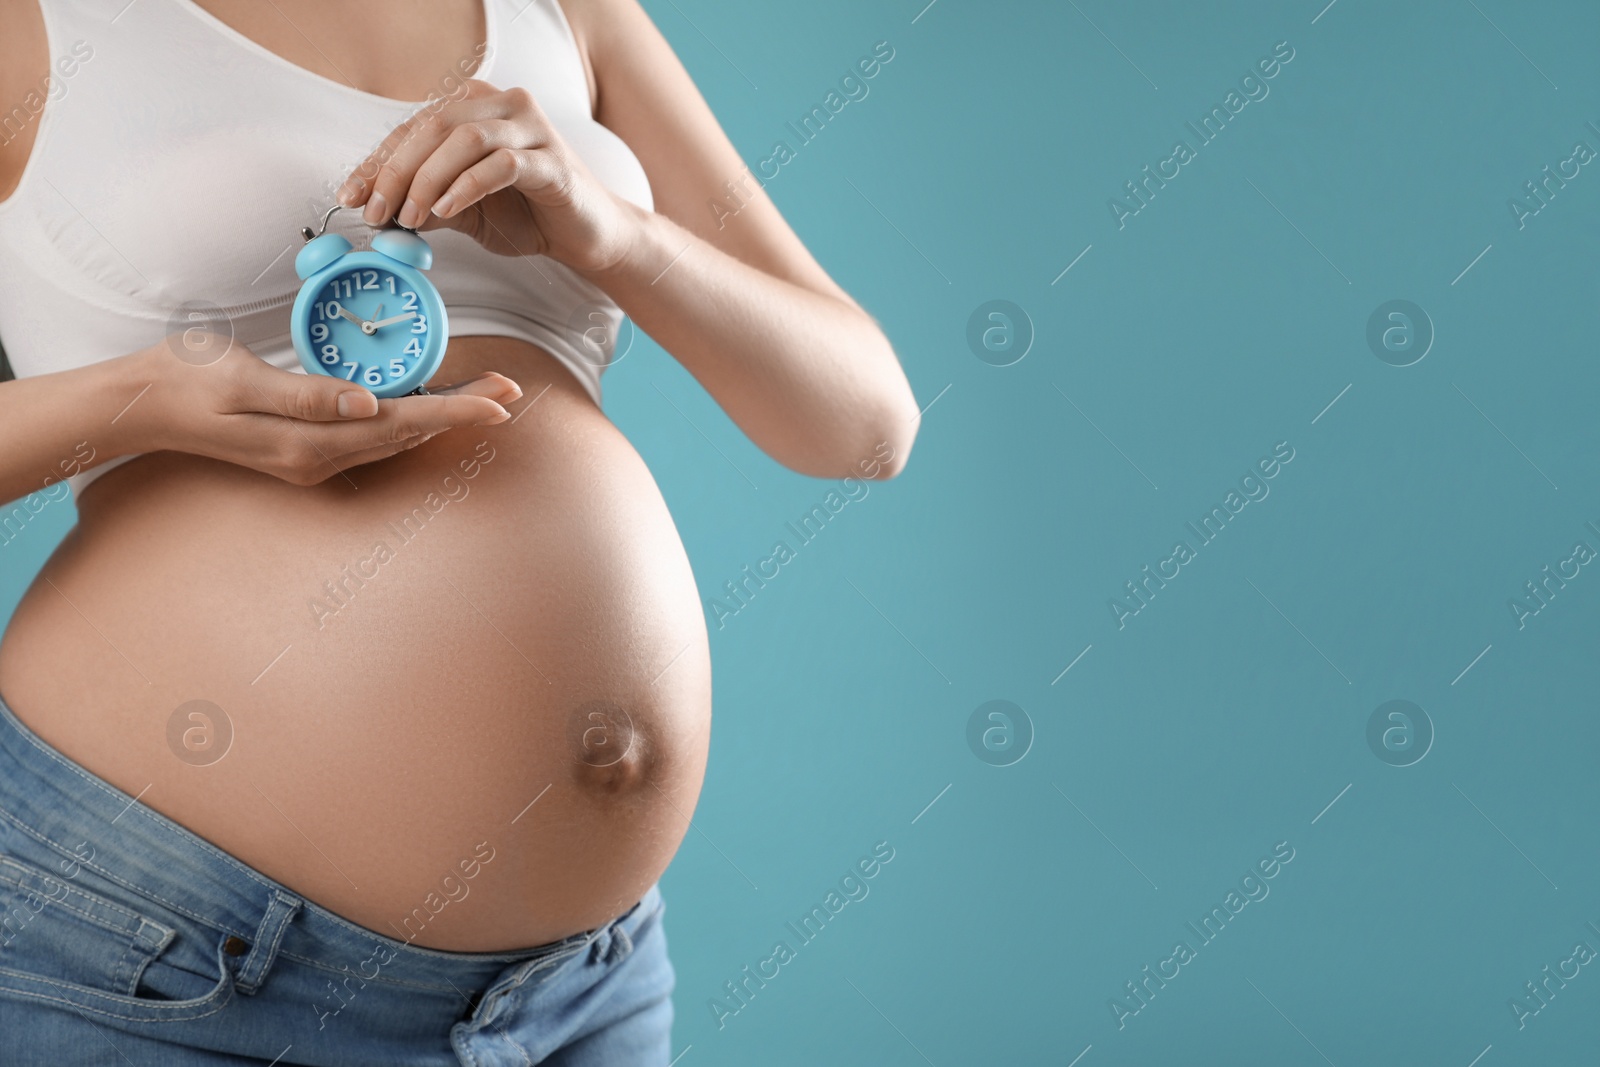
[[125, 939]]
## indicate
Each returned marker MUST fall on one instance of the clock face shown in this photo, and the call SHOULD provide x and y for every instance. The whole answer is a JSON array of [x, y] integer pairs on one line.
[[371, 326]]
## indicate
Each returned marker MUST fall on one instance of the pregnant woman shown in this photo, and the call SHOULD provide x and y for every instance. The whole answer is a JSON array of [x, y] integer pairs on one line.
[[344, 730]]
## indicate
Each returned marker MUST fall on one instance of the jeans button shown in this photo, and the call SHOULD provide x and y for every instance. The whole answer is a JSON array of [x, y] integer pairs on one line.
[[235, 946]]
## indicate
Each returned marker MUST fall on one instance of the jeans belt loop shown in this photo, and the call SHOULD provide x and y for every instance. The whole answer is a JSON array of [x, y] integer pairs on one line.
[[600, 945], [621, 944], [252, 971]]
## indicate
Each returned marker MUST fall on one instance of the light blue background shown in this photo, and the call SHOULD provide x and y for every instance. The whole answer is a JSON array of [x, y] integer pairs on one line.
[[1212, 326]]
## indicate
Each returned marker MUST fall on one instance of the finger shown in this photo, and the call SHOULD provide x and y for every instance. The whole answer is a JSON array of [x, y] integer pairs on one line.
[[495, 386], [404, 418], [259, 386], [431, 414], [386, 174], [357, 188], [539, 173], [465, 146], [372, 455], [327, 466]]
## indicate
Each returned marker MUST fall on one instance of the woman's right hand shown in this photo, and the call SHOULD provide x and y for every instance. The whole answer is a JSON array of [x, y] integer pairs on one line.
[[302, 428]]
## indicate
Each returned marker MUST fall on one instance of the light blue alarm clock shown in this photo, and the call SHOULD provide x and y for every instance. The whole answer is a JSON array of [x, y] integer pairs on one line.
[[369, 317]]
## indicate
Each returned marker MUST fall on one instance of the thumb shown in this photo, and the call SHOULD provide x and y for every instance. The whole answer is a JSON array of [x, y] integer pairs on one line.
[[309, 397]]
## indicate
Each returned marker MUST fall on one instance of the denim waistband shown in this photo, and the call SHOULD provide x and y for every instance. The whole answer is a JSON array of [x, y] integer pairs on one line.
[[88, 822]]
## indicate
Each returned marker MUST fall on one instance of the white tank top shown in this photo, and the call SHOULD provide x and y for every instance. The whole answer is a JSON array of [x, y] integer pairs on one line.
[[178, 160]]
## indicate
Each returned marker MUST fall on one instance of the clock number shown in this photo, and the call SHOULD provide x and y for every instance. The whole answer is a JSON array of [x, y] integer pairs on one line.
[[410, 301], [390, 280], [413, 348], [372, 376], [396, 368], [421, 325], [330, 310], [369, 279], [350, 371], [319, 332], [330, 354]]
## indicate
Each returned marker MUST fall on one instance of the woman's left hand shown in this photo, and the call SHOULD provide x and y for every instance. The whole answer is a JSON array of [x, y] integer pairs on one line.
[[490, 165]]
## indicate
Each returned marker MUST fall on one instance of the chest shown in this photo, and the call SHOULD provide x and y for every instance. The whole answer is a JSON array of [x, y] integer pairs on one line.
[[391, 48]]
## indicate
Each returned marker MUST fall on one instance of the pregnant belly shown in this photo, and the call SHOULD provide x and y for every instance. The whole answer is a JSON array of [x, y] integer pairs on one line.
[[460, 697]]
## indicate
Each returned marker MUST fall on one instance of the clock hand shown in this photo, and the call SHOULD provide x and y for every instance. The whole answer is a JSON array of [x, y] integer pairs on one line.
[[391, 322], [346, 313], [370, 327]]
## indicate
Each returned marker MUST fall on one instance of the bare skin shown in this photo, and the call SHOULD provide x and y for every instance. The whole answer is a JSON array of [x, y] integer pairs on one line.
[[476, 666]]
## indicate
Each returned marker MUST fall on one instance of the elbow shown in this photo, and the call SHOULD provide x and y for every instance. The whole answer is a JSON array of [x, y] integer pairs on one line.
[[886, 418], [879, 436], [869, 446], [885, 428], [877, 421], [896, 424], [892, 436], [865, 430], [877, 443]]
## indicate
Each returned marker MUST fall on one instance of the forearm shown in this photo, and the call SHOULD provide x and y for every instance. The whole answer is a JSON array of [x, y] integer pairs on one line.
[[810, 378], [56, 425]]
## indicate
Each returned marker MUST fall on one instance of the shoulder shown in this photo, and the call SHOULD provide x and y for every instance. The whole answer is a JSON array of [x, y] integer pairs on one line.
[[24, 86], [615, 38], [24, 61], [595, 17], [605, 27]]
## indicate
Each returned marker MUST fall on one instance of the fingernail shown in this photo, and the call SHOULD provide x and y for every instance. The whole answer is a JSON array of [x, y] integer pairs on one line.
[[350, 401], [410, 214], [444, 204], [377, 208], [498, 417], [347, 192]]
